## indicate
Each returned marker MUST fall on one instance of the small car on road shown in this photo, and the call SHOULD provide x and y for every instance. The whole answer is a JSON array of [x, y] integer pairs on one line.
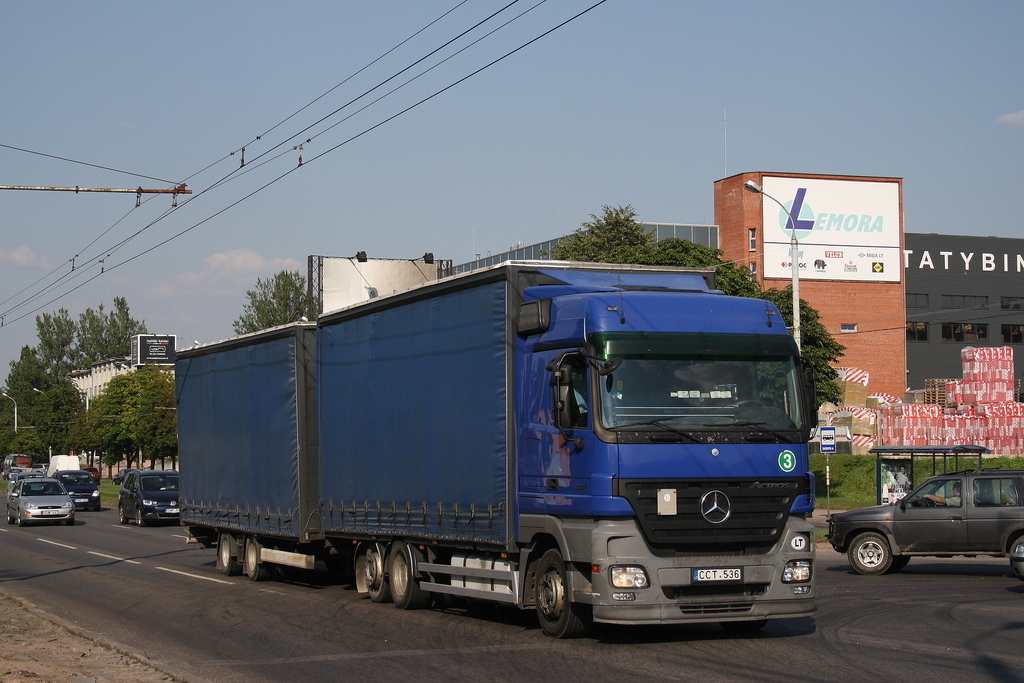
[[39, 500], [148, 496], [967, 513], [81, 487], [95, 472]]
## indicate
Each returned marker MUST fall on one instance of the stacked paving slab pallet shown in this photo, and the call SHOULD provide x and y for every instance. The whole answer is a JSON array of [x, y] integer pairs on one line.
[[858, 414], [977, 409]]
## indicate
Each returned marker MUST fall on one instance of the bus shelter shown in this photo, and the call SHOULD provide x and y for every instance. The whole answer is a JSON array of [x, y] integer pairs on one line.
[[899, 468]]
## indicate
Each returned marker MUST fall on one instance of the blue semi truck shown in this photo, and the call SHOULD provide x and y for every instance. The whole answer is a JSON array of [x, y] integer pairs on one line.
[[598, 443]]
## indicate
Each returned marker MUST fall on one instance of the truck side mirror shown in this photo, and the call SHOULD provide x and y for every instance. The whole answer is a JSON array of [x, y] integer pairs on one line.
[[561, 379]]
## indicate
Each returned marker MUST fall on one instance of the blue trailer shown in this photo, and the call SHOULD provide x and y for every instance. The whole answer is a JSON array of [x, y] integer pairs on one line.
[[598, 443]]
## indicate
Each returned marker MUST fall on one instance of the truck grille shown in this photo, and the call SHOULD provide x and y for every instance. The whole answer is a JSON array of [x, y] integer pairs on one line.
[[757, 511]]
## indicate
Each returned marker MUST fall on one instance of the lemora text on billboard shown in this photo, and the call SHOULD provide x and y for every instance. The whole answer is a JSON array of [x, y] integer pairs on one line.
[[845, 229], [153, 349]]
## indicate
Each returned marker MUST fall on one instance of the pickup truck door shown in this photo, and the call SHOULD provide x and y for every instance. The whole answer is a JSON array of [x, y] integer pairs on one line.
[[921, 527], [995, 505]]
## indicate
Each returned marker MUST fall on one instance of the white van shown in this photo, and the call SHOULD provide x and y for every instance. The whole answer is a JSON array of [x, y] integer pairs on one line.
[[63, 462]]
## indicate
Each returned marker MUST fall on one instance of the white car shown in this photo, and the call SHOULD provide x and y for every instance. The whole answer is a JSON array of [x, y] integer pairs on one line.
[[39, 500]]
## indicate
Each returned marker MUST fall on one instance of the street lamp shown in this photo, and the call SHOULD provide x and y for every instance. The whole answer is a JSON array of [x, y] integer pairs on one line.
[[794, 257], [15, 411]]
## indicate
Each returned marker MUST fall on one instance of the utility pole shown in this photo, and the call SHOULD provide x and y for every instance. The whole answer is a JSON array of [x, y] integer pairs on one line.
[[139, 191]]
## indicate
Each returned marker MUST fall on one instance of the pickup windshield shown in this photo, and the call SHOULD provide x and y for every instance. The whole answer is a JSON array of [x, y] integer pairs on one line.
[[695, 382]]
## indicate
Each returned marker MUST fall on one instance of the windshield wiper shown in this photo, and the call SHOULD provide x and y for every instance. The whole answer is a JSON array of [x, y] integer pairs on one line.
[[660, 423], [759, 426]]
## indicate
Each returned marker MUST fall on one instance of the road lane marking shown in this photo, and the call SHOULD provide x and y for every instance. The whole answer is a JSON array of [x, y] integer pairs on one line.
[[194, 576], [62, 545], [112, 557]]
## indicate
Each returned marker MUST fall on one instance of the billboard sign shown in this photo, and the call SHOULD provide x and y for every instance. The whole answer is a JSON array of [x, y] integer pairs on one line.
[[153, 349], [845, 229]]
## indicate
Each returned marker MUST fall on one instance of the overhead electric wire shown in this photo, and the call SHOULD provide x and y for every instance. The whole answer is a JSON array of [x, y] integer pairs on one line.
[[78, 267], [391, 77], [291, 170], [84, 163]]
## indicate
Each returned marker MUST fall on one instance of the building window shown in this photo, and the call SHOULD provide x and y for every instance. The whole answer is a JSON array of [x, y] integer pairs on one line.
[[964, 301], [752, 239], [753, 271], [917, 331], [1013, 334], [917, 301], [965, 332], [848, 327], [1011, 303]]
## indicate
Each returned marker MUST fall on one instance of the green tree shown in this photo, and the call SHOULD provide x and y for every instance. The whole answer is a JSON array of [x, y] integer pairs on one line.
[[134, 418], [607, 238], [53, 413], [278, 300], [617, 237], [57, 350], [100, 335]]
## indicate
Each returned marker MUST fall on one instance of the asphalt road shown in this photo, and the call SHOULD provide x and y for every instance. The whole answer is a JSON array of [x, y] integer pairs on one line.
[[144, 587]]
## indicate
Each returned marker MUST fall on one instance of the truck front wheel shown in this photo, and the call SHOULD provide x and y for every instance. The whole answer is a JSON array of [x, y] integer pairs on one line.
[[870, 554], [559, 617]]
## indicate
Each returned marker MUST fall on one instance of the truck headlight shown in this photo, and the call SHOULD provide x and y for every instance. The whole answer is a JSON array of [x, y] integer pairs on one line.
[[629, 576], [797, 571]]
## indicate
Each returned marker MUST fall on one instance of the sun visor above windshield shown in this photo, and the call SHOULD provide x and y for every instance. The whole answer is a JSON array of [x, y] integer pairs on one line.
[[576, 281]]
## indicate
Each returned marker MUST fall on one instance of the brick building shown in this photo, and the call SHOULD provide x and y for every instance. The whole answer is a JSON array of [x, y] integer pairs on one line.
[[850, 237]]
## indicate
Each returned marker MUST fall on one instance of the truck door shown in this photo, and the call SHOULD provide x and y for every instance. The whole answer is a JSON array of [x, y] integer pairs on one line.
[[557, 451]]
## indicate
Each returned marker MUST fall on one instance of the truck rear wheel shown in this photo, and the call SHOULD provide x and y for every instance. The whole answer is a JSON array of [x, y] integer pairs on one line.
[[559, 617], [405, 587], [870, 554], [373, 569], [227, 555], [255, 568]]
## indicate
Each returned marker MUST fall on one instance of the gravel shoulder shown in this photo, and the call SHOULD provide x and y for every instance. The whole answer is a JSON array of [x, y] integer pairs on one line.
[[37, 647]]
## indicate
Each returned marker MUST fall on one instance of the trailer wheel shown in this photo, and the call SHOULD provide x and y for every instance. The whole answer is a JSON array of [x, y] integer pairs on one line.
[[405, 587], [559, 617], [227, 561], [373, 571], [255, 568]]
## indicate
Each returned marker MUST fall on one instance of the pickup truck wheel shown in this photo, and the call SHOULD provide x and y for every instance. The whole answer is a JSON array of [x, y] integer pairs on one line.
[[870, 554], [374, 573], [227, 563], [559, 617], [405, 587], [255, 568]]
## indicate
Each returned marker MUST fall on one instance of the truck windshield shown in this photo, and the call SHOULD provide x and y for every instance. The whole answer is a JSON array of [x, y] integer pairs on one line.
[[695, 382]]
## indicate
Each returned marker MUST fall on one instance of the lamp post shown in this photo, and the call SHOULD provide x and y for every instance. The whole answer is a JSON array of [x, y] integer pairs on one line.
[[794, 257], [15, 411]]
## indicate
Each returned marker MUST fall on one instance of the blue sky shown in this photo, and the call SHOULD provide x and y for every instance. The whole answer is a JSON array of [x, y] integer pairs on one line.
[[635, 102]]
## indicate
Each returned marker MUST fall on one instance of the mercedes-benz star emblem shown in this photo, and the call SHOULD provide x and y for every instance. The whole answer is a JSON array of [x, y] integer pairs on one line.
[[715, 506]]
